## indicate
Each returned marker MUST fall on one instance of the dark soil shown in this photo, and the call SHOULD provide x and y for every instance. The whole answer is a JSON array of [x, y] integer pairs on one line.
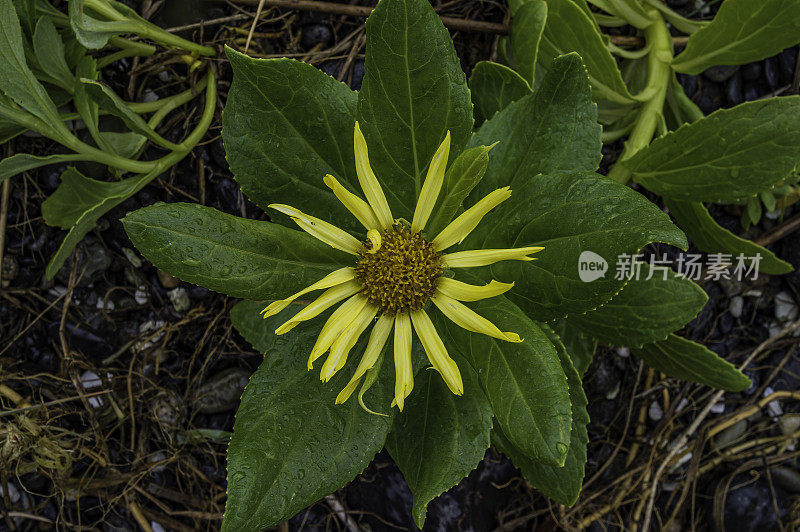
[[166, 366]]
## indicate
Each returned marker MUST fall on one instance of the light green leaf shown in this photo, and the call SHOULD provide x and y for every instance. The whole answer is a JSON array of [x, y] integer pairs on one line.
[[527, 26], [93, 32], [459, 180], [493, 87], [49, 49], [569, 214], [78, 204], [87, 106], [440, 437], [21, 162], [285, 126], [742, 31], [553, 130], [413, 92], [231, 255], [708, 236], [570, 29], [19, 83], [687, 360], [562, 484], [580, 346], [291, 444], [729, 155], [524, 382], [108, 100], [646, 310]]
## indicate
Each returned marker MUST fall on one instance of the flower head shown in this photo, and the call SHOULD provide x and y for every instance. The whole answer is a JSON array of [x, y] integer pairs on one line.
[[397, 270]]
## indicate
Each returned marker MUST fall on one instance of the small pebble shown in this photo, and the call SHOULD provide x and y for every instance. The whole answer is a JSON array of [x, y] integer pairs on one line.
[[314, 34], [180, 299], [611, 394], [681, 405], [733, 89], [655, 411], [786, 478], [89, 380], [785, 308], [167, 281], [105, 304], [132, 257], [787, 62], [623, 352], [718, 408], [157, 527], [721, 73], [149, 97], [222, 392], [751, 71], [141, 296], [773, 407], [750, 92], [736, 306], [771, 72], [13, 493], [730, 435], [789, 423]]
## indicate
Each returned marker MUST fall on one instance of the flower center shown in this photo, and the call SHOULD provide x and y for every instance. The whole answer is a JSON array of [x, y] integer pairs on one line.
[[402, 273]]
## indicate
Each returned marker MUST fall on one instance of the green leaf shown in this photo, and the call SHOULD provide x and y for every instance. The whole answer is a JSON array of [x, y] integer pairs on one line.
[[524, 382], [439, 437], [553, 130], [78, 204], [494, 86], [742, 31], [92, 32], [580, 346], [87, 106], [687, 360], [413, 92], [21, 162], [562, 484], [231, 255], [108, 100], [569, 214], [727, 156], [19, 83], [459, 180], [291, 444], [708, 236], [49, 49], [527, 26], [570, 29], [285, 126], [646, 310], [26, 11]]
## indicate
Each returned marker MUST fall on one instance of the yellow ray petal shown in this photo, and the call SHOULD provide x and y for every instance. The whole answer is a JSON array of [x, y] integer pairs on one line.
[[346, 340], [470, 320], [327, 299], [437, 352], [320, 229], [457, 230], [369, 183], [360, 208], [336, 323], [377, 339], [332, 279], [483, 257], [470, 292], [374, 237], [431, 186], [403, 372]]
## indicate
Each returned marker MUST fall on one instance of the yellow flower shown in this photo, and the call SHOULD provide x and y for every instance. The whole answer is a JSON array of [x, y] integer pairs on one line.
[[396, 272]]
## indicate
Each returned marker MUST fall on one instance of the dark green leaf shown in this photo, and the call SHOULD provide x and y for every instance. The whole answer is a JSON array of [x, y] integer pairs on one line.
[[285, 126], [687, 360], [527, 26], [26, 11], [553, 130], [646, 310], [524, 382], [19, 83], [16, 164], [85, 105], [49, 49], [291, 444], [580, 347], [729, 155], [439, 437], [234, 256], [413, 92], [78, 204], [562, 484], [569, 215], [570, 29], [494, 86], [708, 236], [742, 31], [459, 180]]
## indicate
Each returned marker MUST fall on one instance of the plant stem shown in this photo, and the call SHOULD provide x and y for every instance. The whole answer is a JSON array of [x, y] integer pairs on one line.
[[658, 76]]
